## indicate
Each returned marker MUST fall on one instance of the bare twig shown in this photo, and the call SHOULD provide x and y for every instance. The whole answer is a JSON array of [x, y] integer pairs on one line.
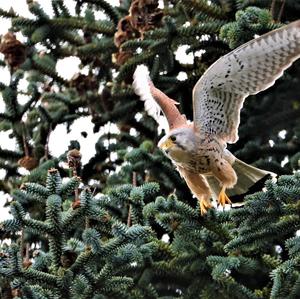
[[25, 146], [272, 9], [22, 244], [134, 183], [129, 216], [47, 144], [281, 10]]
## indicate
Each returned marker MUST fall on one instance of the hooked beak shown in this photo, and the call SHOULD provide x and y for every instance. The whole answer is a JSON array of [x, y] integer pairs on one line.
[[165, 144]]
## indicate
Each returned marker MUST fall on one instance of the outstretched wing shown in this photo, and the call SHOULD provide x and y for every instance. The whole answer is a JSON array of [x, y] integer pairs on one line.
[[219, 94], [156, 100]]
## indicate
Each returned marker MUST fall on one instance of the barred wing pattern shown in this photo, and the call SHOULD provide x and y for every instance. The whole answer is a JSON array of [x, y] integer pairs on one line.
[[219, 94]]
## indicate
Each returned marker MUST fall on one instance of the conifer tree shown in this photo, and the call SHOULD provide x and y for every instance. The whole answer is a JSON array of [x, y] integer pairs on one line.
[[124, 224]]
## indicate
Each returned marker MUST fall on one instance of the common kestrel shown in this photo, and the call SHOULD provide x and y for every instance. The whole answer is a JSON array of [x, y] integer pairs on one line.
[[198, 149]]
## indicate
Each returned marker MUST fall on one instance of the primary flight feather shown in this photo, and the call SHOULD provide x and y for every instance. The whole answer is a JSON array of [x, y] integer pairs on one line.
[[199, 149]]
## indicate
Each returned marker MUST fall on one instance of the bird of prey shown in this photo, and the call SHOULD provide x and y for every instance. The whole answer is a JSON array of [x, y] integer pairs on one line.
[[198, 149]]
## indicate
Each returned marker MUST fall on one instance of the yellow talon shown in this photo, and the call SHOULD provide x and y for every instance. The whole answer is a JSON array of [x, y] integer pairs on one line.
[[204, 205], [223, 198]]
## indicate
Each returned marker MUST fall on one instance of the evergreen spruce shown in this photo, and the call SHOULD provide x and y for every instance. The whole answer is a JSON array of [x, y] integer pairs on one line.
[[124, 225]]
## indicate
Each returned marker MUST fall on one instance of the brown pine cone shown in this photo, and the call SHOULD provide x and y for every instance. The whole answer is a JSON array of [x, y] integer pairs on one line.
[[125, 31], [74, 158], [145, 15], [83, 83], [14, 51], [28, 162], [121, 57]]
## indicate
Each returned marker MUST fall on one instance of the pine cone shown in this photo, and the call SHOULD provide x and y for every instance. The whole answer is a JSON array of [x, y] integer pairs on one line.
[[145, 15], [28, 162], [14, 51], [125, 31], [121, 57], [82, 83], [74, 158]]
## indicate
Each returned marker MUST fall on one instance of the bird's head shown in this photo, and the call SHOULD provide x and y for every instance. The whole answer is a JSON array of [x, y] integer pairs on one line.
[[178, 144]]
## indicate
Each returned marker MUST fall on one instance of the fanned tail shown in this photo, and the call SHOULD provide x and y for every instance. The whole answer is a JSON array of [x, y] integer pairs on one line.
[[247, 175]]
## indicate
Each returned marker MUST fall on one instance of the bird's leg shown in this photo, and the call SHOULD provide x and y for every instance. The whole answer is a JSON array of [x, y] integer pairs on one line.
[[204, 204], [226, 175], [223, 198], [199, 187]]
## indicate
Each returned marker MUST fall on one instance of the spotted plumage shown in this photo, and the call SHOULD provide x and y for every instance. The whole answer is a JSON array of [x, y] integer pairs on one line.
[[219, 94], [199, 149]]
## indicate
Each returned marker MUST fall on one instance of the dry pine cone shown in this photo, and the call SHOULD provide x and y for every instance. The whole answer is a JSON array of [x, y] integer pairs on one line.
[[14, 51], [82, 83], [74, 158], [145, 15], [28, 162]]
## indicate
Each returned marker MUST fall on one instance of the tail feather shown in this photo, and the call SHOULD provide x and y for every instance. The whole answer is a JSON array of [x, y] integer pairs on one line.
[[247, 177]]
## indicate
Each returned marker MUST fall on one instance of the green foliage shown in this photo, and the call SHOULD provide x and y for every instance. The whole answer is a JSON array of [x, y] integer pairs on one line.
[[69, 263], [248, 21]]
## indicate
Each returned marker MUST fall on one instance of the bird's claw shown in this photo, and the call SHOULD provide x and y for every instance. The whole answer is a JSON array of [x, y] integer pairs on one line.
[[204, 206], [223, 198]]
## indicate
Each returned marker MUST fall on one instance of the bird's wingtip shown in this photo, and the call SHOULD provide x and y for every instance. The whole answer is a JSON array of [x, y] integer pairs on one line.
[[141, 70], [141, 82], [141, 85]]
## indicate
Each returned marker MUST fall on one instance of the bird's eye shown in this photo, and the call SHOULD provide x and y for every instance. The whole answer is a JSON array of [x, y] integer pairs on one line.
[[173, 138]]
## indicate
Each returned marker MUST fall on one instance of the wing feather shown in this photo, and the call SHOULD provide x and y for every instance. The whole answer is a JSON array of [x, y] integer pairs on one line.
[[219, 94]]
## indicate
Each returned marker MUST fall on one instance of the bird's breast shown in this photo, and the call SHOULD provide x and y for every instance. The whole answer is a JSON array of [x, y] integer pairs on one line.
[[195, 163], [198, 160]]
